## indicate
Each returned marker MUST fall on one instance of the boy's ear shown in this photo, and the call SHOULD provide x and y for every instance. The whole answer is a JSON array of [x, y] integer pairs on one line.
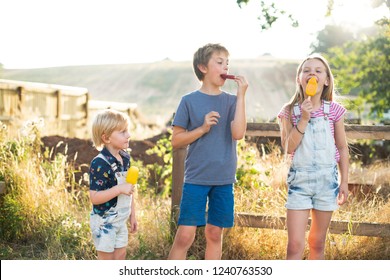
[[202, 68], [105, 139]]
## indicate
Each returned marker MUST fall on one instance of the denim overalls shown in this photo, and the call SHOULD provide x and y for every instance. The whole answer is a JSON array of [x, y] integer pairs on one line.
[[313, 176], [110, 230]]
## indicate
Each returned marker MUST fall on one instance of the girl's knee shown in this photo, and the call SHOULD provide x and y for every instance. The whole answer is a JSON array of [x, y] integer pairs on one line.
[[316, 244], [295, 247]]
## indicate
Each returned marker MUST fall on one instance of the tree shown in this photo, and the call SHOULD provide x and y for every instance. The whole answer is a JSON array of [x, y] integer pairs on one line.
[[362, 69], [331, 36], [270, 14]]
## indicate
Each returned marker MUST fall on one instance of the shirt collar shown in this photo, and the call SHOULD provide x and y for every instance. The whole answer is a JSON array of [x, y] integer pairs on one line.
[[113, 161]]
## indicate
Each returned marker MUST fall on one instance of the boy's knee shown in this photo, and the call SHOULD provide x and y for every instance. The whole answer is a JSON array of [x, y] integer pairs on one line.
[[184, 239], [213, 233]]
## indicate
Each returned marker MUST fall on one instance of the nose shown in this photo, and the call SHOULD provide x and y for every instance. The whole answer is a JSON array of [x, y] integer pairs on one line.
[[226, 66]]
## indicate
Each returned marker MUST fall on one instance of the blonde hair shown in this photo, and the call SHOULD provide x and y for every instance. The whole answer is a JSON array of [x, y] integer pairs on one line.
[[327, 94], [202, 57], [105, 123]]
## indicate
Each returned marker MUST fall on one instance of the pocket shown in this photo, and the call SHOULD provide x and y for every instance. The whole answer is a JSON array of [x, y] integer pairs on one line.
[[291, 176], [335, 177], [319, 137]]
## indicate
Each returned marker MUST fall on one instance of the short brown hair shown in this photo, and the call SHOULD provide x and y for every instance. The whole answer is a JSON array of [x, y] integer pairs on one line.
[[203, 55]]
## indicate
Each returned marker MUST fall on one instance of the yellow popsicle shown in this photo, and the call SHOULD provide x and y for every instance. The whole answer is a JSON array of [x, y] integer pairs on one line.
[[311, 87], [132, 175]]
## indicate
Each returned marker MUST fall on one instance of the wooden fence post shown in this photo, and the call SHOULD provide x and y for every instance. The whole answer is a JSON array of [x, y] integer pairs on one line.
[[178, 158]]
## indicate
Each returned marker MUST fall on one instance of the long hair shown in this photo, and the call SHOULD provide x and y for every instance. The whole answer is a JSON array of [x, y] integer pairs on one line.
[[328, 91]]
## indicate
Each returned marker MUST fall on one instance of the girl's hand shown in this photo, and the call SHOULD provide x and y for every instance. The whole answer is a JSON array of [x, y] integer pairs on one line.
[[307, 108], [343, 194]]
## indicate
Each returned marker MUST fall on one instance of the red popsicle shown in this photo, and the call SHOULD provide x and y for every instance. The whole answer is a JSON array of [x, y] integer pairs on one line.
[[226, 76]]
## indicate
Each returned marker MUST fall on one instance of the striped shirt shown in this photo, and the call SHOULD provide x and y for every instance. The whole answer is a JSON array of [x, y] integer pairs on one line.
[[336, 112]]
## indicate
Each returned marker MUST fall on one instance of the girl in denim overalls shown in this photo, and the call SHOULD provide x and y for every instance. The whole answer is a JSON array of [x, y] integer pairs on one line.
[[110, 194], [312, 132]]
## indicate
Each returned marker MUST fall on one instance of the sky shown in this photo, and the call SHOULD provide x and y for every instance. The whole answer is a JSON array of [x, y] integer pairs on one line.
[[49, 33]]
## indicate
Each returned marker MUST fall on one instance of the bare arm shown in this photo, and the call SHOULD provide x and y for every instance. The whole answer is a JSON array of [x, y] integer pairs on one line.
[[182, 137], [238, 125], [99, 197], [133, 219], [291, 136], [342, 146]]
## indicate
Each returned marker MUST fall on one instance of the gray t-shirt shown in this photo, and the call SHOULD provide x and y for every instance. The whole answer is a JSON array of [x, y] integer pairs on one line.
[[211, 159]]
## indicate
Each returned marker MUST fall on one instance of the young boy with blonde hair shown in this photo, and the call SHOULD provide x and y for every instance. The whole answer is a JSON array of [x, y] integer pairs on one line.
[[110, 194]]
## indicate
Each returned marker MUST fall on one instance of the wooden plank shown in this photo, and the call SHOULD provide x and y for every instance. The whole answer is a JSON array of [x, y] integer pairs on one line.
[[260, 221], [336, 227], [263, 129], [379, 132]]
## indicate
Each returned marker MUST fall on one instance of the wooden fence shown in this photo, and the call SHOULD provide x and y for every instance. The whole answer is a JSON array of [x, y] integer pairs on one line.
[[63, 109], [261, 221], [66, 111]]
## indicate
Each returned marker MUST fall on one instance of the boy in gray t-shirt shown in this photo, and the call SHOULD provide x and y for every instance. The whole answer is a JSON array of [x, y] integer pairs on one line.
[[209, 121]]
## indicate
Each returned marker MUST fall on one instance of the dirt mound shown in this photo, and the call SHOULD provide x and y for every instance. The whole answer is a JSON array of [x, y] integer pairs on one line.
[[80, 152]]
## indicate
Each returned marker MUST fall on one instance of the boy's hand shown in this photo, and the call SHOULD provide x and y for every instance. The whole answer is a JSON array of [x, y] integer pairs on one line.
[[133, 223], [210, 120], [242, 85], [126, 188]]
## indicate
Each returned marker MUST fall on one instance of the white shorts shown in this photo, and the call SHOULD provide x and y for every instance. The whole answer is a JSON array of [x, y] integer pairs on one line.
[[110, 231]]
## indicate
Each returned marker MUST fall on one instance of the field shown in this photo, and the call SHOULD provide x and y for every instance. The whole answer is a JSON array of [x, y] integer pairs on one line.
[[45, 210], [157, 87]]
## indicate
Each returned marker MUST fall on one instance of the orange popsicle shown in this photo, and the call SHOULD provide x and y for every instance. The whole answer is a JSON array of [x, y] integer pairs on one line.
[[311, 87], [132, 175]]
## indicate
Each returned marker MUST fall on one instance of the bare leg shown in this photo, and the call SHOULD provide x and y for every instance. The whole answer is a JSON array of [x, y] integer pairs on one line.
[[120, 253], [296, 228], [214, 237], [105, 255], [317, 236], [184, 238]]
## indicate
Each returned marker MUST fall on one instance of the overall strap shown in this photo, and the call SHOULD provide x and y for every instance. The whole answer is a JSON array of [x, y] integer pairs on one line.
[[114, 167], [297, 112], [326, 109]]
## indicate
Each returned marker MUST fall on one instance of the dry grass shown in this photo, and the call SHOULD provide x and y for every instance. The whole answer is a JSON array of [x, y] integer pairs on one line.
[[262, 190], [45, 214]]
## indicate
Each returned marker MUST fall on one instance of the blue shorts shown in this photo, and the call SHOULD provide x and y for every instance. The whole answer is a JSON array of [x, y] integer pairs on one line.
[[220, 205], [313, 189]]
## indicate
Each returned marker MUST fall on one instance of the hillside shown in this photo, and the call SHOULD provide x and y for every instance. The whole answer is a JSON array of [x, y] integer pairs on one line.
[[157, 87]]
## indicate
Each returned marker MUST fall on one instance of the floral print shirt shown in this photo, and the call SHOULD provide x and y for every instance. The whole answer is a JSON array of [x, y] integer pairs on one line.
[[102, 176]]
